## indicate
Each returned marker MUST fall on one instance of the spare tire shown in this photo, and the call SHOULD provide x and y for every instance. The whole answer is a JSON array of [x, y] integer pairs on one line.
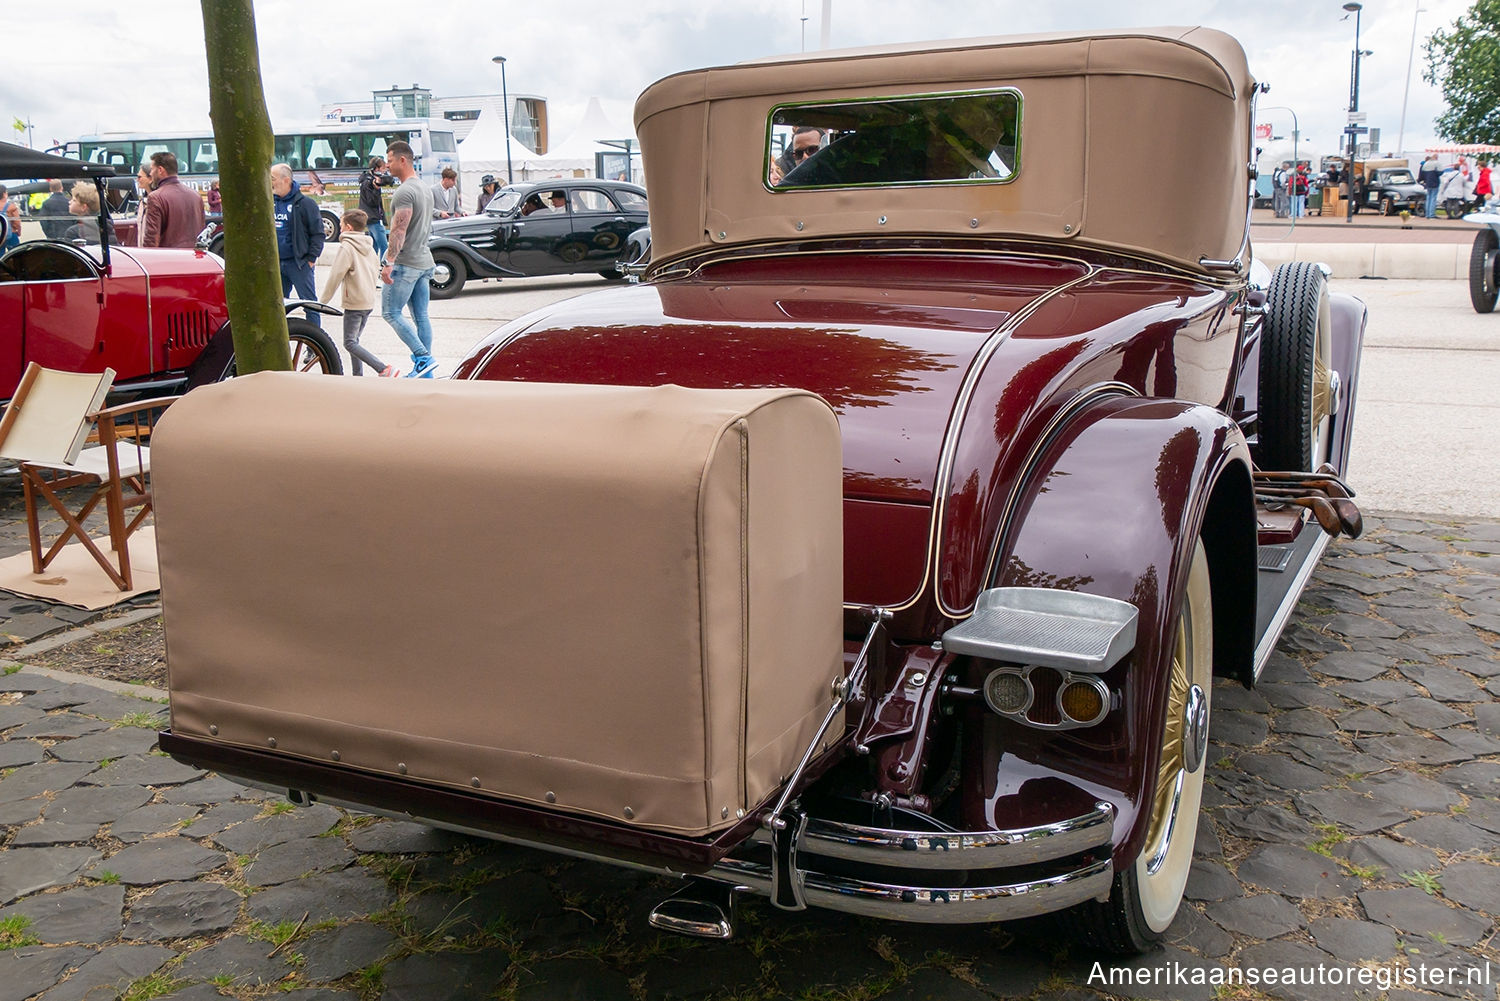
[[1296, 347]]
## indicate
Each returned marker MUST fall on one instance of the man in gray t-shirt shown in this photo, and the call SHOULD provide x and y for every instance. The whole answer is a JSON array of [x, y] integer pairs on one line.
[[408, 265]]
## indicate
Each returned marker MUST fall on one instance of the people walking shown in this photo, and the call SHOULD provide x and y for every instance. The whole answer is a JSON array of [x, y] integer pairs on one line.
[[1297, 187], [215, 198], [1431, 176], [372, 204], [299, 235], [54, 211], [353, 270], [1457, 189], [408, 263], [1482, 187], [1281, 201], [174, 213]]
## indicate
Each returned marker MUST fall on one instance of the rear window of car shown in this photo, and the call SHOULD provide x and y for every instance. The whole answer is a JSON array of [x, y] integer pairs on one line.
[[629, 200], [965, 138], [590, 200]]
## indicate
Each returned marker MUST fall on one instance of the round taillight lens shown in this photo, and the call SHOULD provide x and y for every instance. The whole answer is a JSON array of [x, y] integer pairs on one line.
[[1007, 692], [1082, 702]]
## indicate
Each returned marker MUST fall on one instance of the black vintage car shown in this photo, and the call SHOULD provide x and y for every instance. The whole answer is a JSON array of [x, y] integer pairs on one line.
[[1391, 189], [561, 226]]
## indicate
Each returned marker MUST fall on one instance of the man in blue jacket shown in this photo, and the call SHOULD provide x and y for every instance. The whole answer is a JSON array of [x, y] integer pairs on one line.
[[299, 236]]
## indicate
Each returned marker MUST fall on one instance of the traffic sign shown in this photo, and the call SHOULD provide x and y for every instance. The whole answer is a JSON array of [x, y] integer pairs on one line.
[[1358, 117], [1355, 130]]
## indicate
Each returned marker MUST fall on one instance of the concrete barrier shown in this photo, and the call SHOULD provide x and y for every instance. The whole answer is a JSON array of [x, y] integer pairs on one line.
[[1445, 261]]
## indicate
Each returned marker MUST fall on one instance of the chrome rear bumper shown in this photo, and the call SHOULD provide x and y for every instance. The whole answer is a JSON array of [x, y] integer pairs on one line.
[[944, 878]]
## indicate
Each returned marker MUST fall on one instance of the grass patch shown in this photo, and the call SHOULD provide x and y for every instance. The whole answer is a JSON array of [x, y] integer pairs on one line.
[[105, 876], [277, 806], [142, 720], [153, 986], [1368, 873], [278, 934], [14, 933], [370, 981], [11, 669], [1332, 835], [1426, 883]]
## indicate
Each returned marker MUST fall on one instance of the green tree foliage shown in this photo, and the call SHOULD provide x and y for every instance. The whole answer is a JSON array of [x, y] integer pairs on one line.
[[242, 130], [1464, 61]]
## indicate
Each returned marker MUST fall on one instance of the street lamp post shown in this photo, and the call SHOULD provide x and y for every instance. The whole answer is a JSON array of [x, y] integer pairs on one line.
[[510, 177], [1355, 9], [1401, 133]]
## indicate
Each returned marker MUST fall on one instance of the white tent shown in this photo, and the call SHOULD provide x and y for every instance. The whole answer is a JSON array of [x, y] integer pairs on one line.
[[484, 152], [577, 151]]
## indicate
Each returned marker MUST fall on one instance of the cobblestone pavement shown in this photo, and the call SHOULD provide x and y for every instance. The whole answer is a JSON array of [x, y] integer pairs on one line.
[[1352, 822]]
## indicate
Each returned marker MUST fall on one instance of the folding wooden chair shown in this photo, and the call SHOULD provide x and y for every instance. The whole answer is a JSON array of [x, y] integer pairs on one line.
[[45, 429]]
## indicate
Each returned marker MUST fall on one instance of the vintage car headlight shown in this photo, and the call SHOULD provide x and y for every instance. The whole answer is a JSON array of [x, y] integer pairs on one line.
[[1047, 698]]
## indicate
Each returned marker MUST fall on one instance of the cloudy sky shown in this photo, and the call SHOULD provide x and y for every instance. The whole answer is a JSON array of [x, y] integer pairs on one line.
[[133, 66]]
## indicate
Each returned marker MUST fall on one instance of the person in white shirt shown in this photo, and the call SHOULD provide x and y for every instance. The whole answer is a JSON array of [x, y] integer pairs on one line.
[[445, 196]]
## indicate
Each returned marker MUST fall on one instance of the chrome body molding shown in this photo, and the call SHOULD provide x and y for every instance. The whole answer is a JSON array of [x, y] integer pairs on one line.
[[935, 905]]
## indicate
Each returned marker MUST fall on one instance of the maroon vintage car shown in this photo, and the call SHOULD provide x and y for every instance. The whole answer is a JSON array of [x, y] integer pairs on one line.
[[1091, 453], [157, 317]]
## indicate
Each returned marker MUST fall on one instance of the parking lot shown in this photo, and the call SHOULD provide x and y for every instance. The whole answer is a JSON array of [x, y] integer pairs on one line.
[[1351, 822]]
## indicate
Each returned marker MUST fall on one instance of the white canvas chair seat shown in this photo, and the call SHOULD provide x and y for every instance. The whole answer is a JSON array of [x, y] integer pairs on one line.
[[133, 460], [44, 430]]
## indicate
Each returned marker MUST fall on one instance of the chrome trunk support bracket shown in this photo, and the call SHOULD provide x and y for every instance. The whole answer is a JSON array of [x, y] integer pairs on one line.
[[784, 834], [788, 887]]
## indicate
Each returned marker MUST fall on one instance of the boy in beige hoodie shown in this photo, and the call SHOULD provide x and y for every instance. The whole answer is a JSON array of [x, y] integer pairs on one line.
[[354, 268]]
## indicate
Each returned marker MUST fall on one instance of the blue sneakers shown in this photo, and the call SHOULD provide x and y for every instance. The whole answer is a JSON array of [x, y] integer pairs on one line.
[[423, 368]]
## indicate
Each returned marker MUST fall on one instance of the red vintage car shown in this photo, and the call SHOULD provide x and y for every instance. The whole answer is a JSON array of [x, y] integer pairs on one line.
[[155, 316], [1090, 455]]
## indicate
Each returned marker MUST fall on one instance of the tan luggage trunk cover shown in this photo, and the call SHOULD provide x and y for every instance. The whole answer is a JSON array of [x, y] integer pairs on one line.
[[616, 601]]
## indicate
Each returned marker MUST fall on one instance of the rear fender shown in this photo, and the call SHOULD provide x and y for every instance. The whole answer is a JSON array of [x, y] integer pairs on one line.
[[1094, 517]]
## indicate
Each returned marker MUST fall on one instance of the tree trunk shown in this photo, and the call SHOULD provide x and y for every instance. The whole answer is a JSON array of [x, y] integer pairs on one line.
[[242, 131]]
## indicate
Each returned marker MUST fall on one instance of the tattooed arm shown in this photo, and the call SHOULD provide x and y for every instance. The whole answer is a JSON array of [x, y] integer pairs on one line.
[[396, 241]]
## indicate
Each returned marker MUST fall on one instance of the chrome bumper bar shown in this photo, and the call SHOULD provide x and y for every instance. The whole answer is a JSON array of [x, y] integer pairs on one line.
[[961, 850], [933, 905], [933, 860]]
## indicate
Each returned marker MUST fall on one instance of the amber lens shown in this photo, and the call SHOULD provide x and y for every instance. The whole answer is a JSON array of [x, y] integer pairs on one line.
[[1006, 692], [1081, 702]]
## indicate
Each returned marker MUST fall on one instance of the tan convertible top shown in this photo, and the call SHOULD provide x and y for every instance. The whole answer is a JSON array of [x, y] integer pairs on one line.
[[1137, 140]]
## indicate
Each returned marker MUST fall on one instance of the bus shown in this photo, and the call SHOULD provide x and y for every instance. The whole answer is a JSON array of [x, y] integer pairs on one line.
[[326, 159]]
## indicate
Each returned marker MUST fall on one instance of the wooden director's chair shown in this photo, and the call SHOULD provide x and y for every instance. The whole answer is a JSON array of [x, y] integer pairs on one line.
[[45, 429]]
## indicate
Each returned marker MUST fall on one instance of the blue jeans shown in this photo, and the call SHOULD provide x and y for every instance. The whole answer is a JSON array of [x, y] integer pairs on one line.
[[409, 286], [299, 277], [377, 233], [1431, 208], [1299, 206]]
